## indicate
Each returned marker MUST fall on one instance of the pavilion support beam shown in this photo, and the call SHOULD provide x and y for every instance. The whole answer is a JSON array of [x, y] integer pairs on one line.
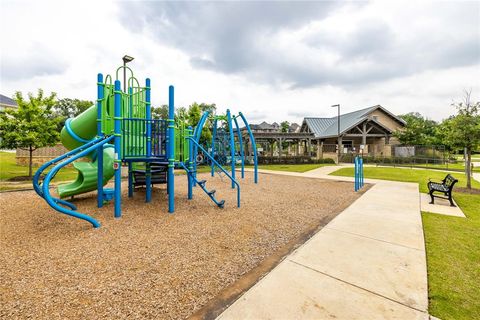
[[364, 134], [319, 149]]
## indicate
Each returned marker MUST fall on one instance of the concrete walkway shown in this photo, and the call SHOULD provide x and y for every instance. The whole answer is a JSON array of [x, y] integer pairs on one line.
[[367, 263]]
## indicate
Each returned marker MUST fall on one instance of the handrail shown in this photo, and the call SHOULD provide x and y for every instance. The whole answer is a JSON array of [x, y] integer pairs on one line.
[[220, 167], [36, 177], [254, 147], [46, 191]]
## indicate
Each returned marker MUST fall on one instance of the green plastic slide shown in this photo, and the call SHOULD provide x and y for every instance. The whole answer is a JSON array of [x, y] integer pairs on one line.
[[75, 133]]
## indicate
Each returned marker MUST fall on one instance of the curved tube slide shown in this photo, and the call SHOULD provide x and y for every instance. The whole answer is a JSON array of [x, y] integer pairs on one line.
[[77, 132], [80, 152]]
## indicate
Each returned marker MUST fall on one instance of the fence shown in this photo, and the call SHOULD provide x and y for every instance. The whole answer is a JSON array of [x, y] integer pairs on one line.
[[430, 157], [39, 156]]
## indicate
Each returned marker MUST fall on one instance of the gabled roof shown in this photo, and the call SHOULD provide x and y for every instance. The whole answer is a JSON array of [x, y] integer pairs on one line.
[[328, 127], [6, 101]]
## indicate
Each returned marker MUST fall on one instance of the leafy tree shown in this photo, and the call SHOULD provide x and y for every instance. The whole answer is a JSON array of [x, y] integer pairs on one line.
[[191, 116], [181, 113], [69, 108], [418, 131], [194, 114], [212, 108], [160, 112], [284, 126], [463, 130], [31, 126]]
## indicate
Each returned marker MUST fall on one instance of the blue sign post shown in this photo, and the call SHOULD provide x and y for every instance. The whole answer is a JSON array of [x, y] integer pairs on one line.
[[358, 173]]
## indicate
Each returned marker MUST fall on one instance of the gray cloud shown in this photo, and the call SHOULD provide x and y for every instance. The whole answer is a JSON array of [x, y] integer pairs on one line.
[[233, 38], [39, 62]]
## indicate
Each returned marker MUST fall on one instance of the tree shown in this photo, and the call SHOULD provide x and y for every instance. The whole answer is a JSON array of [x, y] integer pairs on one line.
[[284, 126], [463, 130], [31, 126], [418, 131], [194, 114], [69, 108], [160, 112]]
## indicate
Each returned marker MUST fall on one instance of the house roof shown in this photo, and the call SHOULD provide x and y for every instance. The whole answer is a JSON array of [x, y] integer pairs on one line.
[[262, 126], [293, 127], [6, 101], [328, 127]]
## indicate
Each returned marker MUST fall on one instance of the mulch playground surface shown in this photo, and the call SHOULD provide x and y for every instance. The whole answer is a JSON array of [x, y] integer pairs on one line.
[[151, 264]]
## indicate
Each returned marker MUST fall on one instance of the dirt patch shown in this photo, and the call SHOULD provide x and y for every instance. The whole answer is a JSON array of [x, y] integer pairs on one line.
[[22, 178], [150, 264]]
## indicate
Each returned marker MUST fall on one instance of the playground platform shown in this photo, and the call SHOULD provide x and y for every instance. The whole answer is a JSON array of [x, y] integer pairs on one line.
[[367, 263]]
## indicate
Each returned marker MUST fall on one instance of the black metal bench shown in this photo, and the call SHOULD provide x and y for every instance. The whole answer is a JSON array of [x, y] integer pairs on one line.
[[158, 174], [445, 187]]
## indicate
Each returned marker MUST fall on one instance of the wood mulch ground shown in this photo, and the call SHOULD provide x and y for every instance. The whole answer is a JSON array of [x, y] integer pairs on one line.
[[151, 264]]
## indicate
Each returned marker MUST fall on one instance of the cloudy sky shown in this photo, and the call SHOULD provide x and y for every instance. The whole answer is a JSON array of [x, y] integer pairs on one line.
[[272, 60]]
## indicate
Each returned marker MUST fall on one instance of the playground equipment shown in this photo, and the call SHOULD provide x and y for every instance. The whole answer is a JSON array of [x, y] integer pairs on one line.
[[224, 148], [358, 173], [118, 130]]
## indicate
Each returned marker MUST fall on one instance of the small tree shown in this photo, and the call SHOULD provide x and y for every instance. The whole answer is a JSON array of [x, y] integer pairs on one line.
[[464, 130], [160, 112], [69, 108], [418, 131], [284, 126], [31, 126]]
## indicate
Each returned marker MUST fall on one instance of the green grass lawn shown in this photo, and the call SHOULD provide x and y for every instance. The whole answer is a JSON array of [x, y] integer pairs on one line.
[[276, 167], [407, 175], [293, 167], [459, 166], [459, 157], [452, 243], [9, 169], [453, 259], [450, 166]]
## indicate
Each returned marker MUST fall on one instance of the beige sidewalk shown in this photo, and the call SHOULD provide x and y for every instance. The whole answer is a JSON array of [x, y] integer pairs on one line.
[[367, 263]]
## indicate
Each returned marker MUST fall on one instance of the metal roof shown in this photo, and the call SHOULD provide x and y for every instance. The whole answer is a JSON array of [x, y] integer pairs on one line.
[[328, 127], [6, 101]]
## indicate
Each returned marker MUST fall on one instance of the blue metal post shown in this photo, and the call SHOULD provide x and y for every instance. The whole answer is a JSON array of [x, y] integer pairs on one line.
[[361, 172], [100, 96], [118, 157], [148, 116], [254, 147], [171, 150], [190, 163], [214, 137], [232, 145], [356, 174], [240, 142]]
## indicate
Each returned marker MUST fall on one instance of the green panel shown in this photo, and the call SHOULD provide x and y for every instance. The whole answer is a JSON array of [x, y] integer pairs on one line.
[[84, 125], [108, 109], [181, 135], [87, 175]]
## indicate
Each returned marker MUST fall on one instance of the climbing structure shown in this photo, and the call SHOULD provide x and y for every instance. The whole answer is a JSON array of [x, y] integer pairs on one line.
[[119, 129]]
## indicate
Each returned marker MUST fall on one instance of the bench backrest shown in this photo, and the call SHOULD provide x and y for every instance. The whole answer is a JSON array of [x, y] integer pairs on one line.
[[449, 181]]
